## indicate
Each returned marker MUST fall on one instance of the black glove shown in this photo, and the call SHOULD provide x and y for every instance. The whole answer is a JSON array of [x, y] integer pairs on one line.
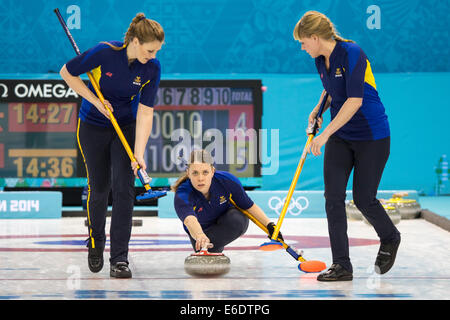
[[271, 229]]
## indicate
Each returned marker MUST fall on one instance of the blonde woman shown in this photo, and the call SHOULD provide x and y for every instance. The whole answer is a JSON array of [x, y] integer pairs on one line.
[[128, 74], [206, 201], [357, 138]]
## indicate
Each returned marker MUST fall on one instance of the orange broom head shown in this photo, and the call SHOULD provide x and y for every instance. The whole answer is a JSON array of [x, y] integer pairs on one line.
[[312, 266], [271, 246]]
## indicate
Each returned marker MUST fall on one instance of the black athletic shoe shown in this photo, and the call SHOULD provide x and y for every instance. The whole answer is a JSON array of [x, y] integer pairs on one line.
[[95, 257], [335, 273], [120, 270], [386, 256]]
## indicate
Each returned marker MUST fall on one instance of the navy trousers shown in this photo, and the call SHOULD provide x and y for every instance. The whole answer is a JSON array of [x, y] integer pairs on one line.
[[228, 227], [367, 159], [108, 168]]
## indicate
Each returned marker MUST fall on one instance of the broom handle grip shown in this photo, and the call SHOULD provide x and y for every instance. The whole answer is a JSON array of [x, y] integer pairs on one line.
[[319, 113]]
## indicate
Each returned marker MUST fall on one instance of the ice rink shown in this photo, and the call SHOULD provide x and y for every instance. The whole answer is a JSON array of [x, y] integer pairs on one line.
[[47, 259]]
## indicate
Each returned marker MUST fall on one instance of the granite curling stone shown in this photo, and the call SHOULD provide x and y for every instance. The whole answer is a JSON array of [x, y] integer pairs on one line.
[[205, 263], [409, 208]]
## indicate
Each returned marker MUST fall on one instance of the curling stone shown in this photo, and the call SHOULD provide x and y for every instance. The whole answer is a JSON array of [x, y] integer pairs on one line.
[[392, 212], [409, 208], [352, 211], [206, 263]]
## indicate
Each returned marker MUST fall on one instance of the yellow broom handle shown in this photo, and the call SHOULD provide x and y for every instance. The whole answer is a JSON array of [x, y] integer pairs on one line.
[[292, 188], [252, 218], [112, 118], [259, 224]]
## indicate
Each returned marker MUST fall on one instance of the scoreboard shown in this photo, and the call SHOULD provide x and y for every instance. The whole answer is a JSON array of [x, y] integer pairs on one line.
[[209, 114], [38, 120]]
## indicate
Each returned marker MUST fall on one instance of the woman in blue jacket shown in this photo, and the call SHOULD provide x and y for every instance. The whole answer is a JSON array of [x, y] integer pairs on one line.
[[357, 138], [128, 75], [207, 201]]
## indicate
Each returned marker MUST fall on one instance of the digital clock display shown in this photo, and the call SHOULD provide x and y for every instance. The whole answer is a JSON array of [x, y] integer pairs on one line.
[[43, 163], [38, 120], [42, 117]]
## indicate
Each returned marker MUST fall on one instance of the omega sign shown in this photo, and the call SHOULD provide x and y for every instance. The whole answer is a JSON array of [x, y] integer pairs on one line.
[[37, 89], [46, 90]]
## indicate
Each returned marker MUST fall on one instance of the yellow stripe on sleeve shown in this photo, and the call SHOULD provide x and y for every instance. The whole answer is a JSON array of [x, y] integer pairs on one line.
[[97, 73], [369, 78]]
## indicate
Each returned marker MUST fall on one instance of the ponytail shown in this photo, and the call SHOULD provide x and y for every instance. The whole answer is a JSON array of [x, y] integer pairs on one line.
[[335, 34], [145, 30], [180, 180]]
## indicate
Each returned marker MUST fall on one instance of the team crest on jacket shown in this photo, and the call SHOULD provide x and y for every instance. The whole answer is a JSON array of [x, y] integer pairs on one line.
[[137, 81], [222, 200], [338, 73]]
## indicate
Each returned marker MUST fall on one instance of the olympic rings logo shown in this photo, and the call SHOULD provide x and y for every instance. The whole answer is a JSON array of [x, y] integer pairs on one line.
[[295, 206]]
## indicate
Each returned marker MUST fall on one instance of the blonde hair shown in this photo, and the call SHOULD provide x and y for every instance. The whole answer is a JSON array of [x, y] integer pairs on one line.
[[317, 23], [145, 30], [197, 156]]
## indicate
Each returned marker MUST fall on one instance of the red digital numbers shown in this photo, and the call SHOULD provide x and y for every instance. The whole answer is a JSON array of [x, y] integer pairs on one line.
[[42, 117]]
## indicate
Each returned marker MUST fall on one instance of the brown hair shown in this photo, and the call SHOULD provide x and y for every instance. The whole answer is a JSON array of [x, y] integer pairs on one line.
[[317, 23], [197, 156], [145, 30]]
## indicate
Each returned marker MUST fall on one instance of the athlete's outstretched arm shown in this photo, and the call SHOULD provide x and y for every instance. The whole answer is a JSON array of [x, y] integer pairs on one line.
[[196, 232], [259, 214]]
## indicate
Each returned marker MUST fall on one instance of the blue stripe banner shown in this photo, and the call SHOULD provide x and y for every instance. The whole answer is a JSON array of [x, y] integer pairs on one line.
[[304, 204], [30, 204]]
